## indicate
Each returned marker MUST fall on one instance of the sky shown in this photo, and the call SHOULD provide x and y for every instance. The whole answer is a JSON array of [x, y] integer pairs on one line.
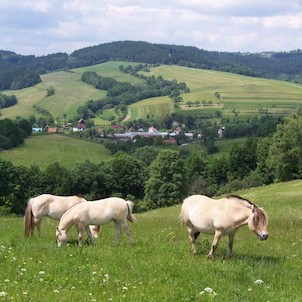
[[41, 27]]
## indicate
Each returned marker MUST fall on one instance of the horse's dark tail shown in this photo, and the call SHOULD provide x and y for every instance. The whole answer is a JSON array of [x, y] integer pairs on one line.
[[29, 223], [130, 216]]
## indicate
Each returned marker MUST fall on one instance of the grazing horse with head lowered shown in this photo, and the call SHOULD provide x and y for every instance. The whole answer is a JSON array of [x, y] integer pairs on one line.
[[220, 217], [49, 205], [97, 212]]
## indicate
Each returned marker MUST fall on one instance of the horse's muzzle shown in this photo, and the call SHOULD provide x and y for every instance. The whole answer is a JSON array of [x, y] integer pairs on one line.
[[263, 236]]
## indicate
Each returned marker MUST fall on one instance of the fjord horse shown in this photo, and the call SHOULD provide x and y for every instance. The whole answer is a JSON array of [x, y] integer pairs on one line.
[[52, 206], [97, 212], [220, 217]]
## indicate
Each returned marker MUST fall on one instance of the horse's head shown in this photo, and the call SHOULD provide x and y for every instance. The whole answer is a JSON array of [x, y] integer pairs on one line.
[[258, 222], [95, 230], [61, 236]]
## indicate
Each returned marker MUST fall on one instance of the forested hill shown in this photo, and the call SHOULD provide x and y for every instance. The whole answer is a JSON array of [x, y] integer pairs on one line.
[[18, 71]]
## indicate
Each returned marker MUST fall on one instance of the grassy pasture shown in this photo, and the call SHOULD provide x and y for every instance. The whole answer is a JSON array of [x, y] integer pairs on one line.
[[70, 91], [238, 93], [43, 150], [244, 94], [159, 266], [153, 108]]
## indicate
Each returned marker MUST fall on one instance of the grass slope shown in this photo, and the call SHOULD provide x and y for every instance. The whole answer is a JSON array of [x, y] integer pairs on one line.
[[70, 91], [159, 266], [246, 95], [238, 94], [42, 150]]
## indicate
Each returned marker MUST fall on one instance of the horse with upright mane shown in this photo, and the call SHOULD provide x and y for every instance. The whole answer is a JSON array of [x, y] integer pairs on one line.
[[97, 212], [220, 217], [49, 205]]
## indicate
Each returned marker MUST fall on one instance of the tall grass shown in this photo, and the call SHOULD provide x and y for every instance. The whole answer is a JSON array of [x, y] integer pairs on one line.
[[159, 266]]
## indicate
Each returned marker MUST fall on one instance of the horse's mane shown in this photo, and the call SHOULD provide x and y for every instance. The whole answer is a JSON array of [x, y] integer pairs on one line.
[[241, 198], [260, 215]]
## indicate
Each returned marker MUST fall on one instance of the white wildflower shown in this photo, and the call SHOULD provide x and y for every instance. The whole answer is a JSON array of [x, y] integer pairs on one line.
[[3, 294], [125, 288], [259, 281], [41, 273]]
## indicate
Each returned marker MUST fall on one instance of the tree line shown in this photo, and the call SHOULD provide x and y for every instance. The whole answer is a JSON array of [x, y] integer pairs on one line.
[[155, 176], [123, 94], [7, 100], [18, 71], [13, 133]]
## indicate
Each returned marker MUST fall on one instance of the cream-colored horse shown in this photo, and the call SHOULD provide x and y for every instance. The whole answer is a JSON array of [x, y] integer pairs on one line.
[[97, 212], [52, 206], [220, 217]]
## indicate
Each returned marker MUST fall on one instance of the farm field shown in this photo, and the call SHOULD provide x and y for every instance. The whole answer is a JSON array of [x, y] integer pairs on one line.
[[70, 91], [159, 265], [157, 108], [215, 91], [243, 94], [43, 150]]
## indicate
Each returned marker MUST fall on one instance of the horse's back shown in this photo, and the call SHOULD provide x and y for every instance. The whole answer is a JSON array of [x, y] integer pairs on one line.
[[54, 206], [97, 212], [194, 202]]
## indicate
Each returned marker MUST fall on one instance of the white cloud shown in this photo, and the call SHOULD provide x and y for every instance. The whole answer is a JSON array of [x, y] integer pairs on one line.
[[47, 26]]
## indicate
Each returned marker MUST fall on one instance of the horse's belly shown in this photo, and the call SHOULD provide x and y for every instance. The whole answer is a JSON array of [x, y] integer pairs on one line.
[[205, 229], [203, 226]]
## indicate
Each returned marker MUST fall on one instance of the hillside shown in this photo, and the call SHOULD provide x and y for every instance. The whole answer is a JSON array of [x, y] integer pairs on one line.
[[159, 266], [17, 71], [210, 91], [43, 150]]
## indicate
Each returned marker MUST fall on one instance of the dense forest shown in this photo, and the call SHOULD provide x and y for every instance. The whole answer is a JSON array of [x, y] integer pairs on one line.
[[18, 71]]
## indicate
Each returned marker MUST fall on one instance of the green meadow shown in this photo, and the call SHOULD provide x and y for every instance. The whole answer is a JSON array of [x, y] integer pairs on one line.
[[159, 266], [44, 149], [243, 94], [215, 91]]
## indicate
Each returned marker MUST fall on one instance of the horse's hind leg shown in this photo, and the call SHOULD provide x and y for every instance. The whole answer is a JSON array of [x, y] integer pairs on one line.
[[118, 230], [128, 232], [37, 224], [193, 234]]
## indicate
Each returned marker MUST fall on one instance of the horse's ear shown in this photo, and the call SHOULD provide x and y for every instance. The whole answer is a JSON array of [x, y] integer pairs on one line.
[[253, 208]]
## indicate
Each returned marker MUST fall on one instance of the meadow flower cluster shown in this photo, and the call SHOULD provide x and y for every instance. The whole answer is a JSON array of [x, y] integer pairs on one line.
[[208, 291]]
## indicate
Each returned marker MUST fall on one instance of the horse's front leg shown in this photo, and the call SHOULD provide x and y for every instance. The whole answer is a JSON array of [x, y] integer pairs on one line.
[[230, 245], [80, 230], [215, 242], [88, 232]]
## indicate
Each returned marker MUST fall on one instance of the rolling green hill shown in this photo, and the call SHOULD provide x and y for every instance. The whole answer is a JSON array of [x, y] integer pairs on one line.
[[231, 93], [210, 91], [43, 150], [160, 266]]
